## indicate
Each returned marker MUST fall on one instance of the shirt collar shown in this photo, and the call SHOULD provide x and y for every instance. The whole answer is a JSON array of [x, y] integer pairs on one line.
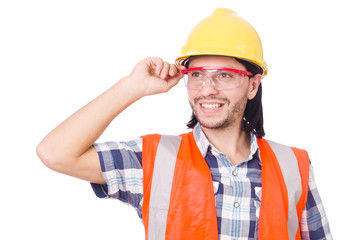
[[204, 144]]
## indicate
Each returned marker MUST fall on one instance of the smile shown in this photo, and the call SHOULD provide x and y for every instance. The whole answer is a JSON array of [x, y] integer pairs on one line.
[[211, 106]]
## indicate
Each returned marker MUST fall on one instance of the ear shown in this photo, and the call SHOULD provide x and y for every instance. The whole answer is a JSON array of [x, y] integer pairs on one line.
[[254, 83]]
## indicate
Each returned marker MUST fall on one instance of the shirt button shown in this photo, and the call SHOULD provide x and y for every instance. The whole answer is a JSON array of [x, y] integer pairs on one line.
[[234, 173], [236, 204]]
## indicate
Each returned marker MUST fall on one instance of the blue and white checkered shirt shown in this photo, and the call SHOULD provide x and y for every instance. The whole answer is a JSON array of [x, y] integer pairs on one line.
[[237, 188]]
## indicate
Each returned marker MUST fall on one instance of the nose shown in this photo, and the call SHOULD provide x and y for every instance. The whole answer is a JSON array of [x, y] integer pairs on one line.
[[208, 88]]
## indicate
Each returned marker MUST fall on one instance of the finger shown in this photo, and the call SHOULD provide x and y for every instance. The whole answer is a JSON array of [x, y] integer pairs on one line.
[[173, 70], [180, 68], [165, 70], [157, 65], [173, 81]]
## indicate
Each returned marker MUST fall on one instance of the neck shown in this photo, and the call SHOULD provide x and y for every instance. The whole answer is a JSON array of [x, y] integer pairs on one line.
[[233, 142]]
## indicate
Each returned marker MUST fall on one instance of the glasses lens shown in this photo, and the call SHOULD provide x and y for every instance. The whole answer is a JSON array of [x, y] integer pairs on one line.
[[220, 79], [194, 79]]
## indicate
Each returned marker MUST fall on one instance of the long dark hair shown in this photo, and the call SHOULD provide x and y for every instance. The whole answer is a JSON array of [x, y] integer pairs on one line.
[[253, 115]]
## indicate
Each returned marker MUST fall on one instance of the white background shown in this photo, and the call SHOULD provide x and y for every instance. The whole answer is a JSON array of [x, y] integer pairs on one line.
[[55, 56]]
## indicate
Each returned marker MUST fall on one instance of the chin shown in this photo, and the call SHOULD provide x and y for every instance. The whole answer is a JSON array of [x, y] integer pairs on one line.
[[215, 125]]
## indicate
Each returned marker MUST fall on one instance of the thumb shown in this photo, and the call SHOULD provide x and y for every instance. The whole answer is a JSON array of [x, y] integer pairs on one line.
[[174, 80]]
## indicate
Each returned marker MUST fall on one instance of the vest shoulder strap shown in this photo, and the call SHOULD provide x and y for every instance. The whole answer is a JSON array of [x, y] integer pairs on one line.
[[176, 171], [285, 188], [163, 150]]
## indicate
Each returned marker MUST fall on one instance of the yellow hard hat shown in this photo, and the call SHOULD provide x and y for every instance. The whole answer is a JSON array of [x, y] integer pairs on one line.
[[224, 33]]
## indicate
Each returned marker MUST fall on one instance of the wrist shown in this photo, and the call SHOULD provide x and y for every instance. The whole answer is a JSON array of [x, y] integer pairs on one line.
[[128, 87]]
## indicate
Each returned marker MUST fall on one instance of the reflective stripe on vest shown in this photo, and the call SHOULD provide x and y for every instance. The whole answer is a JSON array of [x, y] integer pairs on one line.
[[191, 205], [162, 177], [284, 188], [289, 166], [276, 211]]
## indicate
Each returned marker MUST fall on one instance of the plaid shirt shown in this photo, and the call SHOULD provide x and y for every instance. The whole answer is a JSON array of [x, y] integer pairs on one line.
[[237, 188]]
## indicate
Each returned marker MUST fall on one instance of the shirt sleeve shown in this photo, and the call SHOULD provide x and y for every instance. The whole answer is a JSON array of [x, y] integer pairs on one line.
[[314, 223], [121, 164]]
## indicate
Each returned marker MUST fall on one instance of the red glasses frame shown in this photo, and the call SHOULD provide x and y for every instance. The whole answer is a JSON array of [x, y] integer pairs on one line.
[[218, 68]]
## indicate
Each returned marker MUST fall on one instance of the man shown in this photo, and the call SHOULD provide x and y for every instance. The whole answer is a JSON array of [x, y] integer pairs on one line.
[[222, 180]]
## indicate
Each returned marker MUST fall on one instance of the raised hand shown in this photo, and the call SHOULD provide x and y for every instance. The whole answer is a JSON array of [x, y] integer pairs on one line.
[[153, 76]]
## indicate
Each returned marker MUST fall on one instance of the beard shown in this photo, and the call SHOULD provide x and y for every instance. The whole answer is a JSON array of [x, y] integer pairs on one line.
[[233, 115]]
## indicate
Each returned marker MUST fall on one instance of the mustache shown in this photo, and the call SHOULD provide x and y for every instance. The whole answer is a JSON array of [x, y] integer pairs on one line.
[[196, 100]]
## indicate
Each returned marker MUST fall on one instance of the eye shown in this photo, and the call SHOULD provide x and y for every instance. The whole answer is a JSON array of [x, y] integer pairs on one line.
[[195, 74], [225, 75]]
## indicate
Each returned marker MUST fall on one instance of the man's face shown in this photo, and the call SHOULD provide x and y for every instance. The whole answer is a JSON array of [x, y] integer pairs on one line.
[[220, 109]]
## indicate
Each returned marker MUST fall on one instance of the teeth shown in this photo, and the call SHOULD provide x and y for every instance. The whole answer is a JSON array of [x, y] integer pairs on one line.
[[210, 106]]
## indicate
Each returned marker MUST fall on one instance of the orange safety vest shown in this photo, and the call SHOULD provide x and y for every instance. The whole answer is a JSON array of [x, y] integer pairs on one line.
[[178, 196]]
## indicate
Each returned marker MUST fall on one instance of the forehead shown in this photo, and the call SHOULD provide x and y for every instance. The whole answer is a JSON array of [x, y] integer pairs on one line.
[[215, 61]]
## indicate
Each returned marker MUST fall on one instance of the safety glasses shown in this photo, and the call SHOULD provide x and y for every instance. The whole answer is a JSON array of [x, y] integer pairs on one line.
[[220, 78]]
